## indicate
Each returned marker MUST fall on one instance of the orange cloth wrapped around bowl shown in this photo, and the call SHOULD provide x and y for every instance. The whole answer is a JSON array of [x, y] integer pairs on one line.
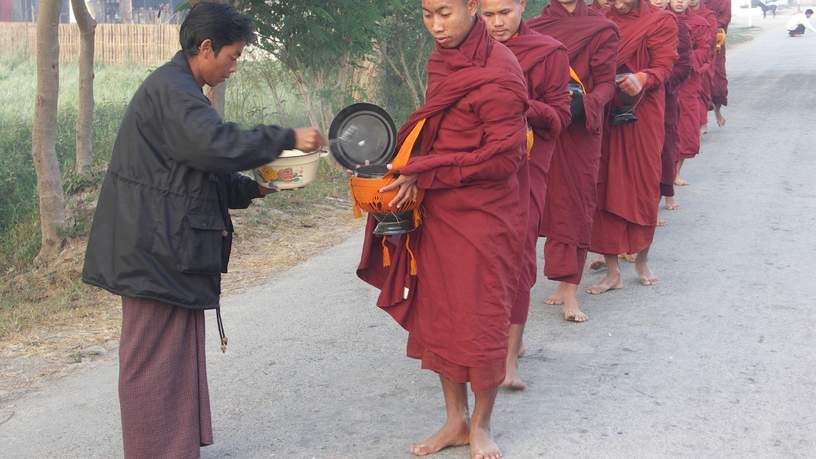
[[367, 197], [366, 191]]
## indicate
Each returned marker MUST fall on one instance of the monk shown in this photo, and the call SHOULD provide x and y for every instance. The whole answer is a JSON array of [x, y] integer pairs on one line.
[[629, 180], [545, 64], [592, 45], [705, 71], [700, 8], [456, 308], [693, 90], [719, 84], [680, 73]]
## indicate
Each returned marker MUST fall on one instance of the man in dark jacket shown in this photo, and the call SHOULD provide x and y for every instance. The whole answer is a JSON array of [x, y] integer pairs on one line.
[[162, 233]]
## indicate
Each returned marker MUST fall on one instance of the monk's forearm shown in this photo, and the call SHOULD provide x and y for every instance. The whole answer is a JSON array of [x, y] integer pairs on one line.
[[496, 169]]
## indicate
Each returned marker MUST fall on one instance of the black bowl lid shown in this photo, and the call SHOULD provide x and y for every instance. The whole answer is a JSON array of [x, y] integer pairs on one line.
[[375, 171], [362, 132]]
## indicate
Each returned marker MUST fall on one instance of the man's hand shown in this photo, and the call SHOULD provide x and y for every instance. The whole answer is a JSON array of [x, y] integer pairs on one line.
[[407, 193], [308, 139], [632, 84], [265, 191]]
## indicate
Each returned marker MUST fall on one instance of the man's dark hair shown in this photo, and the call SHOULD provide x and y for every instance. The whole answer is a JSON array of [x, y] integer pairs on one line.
[[808, 12], [220, 23]]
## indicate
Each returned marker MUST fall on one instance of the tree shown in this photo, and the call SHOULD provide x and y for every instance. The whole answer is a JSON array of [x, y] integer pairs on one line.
[[44, 130], [126, 11], [403, 46], [320, 43], [84, 124]]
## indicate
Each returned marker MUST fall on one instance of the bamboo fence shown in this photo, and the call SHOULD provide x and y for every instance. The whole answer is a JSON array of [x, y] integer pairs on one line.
[[115, 44]]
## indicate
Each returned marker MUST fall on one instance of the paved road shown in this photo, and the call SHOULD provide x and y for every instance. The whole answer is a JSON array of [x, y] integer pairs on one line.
[[716, 361]]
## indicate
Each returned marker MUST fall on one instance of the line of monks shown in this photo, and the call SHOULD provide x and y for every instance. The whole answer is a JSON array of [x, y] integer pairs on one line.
[[616, 95]]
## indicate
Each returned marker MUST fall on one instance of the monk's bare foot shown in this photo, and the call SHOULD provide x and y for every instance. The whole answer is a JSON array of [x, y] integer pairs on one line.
[[671, 203], [451, 434], [628, 257], [513, 381], [598, 265], [482, 445], [612, 281], [573, 313], [680, 182], [661, 222], [522, 351], [720, 118], [557, 298], [647, 279], [554, 300]]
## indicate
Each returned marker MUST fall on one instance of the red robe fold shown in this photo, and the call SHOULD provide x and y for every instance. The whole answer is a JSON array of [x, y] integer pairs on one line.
[[592, 44], [719, 84], [545, 64], [457, 308], [680, 73], [692, 92], [629, 181]]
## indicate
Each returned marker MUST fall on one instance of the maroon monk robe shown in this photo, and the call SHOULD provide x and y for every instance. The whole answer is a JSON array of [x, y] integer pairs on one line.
[[719, 85], [707, 71], [457, 308], [680, 73], [629, 181], [692, 91], [545, 64], [592, 44]]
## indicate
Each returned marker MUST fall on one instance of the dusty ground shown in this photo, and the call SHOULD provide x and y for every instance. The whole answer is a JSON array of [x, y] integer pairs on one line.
[[89, 328]]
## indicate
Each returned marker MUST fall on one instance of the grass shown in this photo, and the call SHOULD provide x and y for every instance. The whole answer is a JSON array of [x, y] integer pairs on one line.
[[34, 296]]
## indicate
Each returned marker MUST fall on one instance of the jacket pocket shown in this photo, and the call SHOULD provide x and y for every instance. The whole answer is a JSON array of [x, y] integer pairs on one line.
[[201, 248]]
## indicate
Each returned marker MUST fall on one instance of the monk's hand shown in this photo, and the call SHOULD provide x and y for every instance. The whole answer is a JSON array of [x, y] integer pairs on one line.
[[407, 193], [632, 84], [308, 139]]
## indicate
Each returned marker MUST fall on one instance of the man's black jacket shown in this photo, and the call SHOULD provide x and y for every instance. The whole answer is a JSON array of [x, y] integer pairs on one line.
[[162, 229]]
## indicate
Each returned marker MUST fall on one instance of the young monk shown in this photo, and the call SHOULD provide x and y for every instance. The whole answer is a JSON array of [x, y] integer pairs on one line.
[[719, 85], [693, 90], [680, 72], [702, 102], [473, 143], [545, 64], [629, 184], [592, 44]]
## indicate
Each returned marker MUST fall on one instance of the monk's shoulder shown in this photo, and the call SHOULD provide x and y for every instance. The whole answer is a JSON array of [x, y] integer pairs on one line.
[[501, 57], [665, 19], [544, 40]]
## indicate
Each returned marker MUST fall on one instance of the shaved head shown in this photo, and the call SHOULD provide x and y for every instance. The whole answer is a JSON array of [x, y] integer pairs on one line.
[[502, 17], [449, 21]]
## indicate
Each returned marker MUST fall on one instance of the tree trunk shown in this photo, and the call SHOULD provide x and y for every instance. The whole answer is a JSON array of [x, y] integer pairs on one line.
[[84, 124], [126, 11], [44, 131]]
